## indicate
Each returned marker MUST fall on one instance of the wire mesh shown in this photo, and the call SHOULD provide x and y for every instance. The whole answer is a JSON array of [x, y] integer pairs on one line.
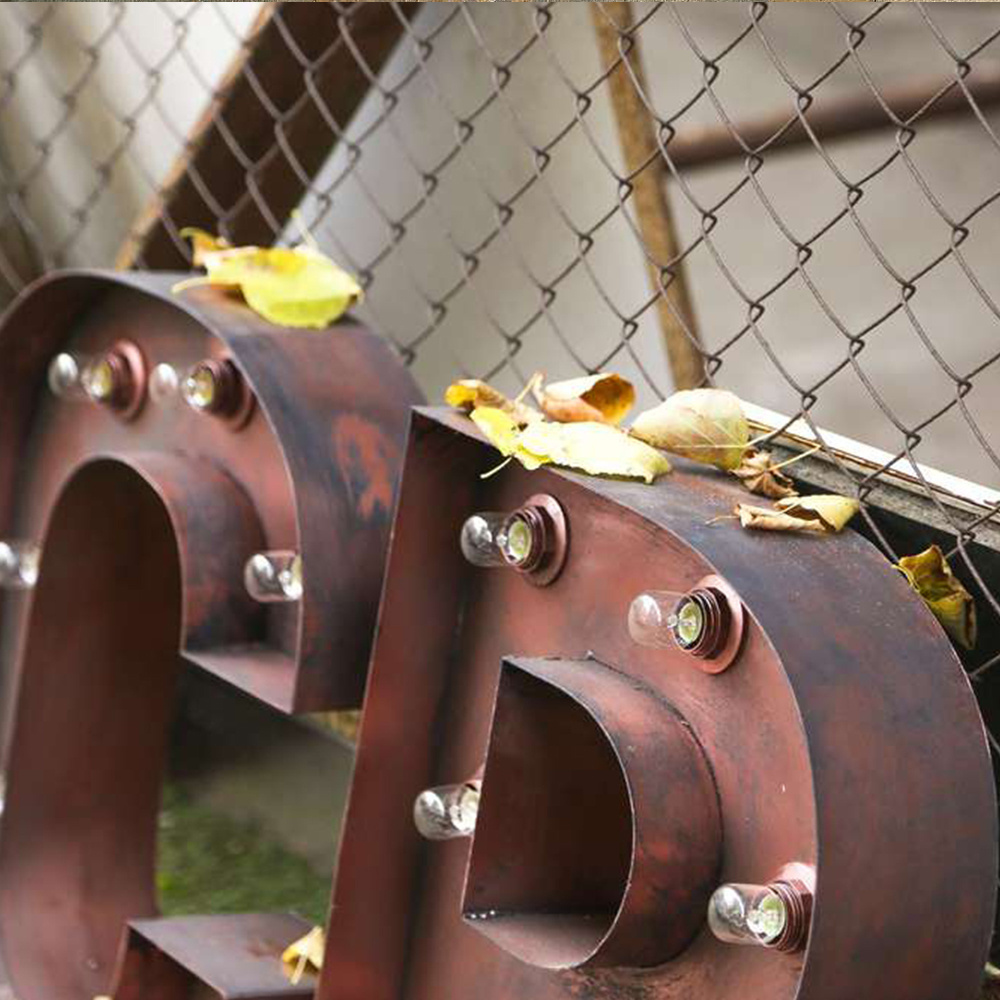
[[798, 202]]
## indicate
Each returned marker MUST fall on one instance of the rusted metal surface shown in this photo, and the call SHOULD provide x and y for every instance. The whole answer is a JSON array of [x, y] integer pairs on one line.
[[843, 738], [578, 746], [318, 459], [146, 527], [224, 957]]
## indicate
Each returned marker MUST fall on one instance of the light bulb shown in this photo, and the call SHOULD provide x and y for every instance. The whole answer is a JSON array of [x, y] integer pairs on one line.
[[214, 386], [115, 378], [276, 576], [19, 565], [291, 579], [448, 811], [696, 621], [654, 617], [532, 539], [517, 540], [164, 385], [101, 380], [66, 376], [480, 539], [773, 916], [201, 389]]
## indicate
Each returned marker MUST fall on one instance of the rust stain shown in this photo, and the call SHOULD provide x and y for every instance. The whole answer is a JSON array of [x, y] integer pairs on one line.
[[368, 459]]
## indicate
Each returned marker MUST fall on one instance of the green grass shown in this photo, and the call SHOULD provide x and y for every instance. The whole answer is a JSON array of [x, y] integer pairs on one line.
[[210, 863]]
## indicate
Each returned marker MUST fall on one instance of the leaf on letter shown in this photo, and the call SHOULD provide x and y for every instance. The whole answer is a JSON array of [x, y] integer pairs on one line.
[[591, 447], [705, 425], [759, 474], [594, 448], [503, 433], [304, 955], [470, 394], [203, 244], [298, 287], [953, 606], [826, 513], [604, 398]]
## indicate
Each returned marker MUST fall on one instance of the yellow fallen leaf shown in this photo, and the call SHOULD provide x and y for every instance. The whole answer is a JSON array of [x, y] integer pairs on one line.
[[595, 448], [504, 434], [298, 287], [469, 394], [304, 955], [203, 244], [759, 474], [604, 398], [953, 606], [705, 425], [824, 513], [592, 447]]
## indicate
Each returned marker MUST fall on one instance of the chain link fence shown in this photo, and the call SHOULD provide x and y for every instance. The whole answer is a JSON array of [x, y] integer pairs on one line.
[[798, 202]]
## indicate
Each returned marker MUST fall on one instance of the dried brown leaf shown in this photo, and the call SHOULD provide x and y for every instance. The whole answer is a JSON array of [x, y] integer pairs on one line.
[[953, 606], [470, 394], [604, 398], [759, 474], [823, 513]]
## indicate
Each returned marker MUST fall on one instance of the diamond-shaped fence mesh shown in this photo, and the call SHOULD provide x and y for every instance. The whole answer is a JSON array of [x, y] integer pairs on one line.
[[795, 201]]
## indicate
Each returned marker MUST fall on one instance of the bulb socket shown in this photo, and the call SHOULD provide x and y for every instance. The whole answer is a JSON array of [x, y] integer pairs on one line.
[[216, 387], [715, 618], [798, 914], [122, 387], [542, 558]]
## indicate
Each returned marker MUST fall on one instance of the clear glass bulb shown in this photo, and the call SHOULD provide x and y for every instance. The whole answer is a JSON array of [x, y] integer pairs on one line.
[[739, 913], [276, 576], [448, 811], [200, 389], [19, 565], [291, 579], [66, 376], [164, 385], [481, 539], [99, 380], [665, 619], [516, 539]]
